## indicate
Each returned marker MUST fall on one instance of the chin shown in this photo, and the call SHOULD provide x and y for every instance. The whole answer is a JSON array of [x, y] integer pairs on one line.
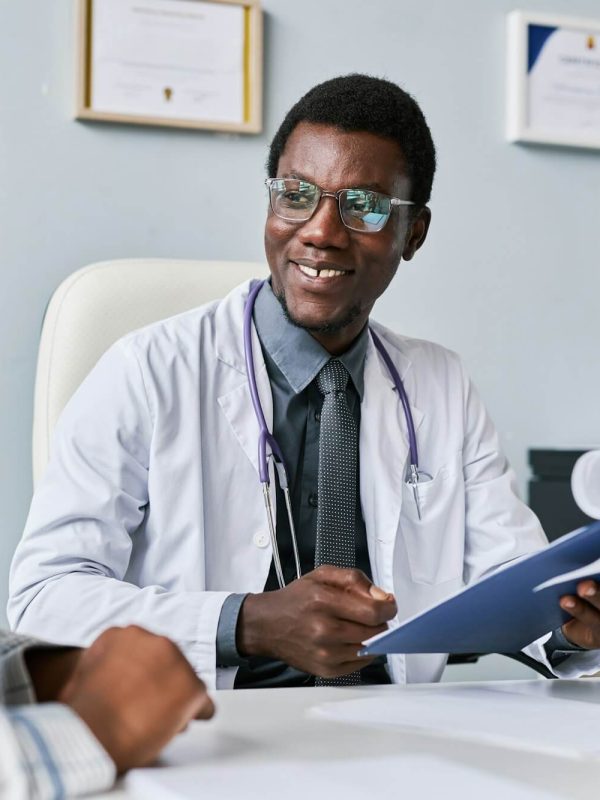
[[320, 323]]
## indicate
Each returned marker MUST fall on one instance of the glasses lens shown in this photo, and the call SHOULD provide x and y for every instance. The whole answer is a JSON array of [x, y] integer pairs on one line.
[[364, 211], [293, 199]]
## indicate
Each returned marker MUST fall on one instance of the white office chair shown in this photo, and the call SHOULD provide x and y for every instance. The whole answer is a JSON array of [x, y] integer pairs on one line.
[[97, 305]]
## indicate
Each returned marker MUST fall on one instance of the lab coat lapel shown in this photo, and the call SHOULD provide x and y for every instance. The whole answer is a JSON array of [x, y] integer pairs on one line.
[[384, 451], [236, 400]]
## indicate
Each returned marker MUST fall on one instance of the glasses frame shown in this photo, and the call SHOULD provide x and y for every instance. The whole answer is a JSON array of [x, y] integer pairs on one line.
[[394, 201]]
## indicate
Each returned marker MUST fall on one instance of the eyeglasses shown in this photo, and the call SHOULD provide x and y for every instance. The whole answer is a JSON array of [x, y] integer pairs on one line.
[[360, 210]]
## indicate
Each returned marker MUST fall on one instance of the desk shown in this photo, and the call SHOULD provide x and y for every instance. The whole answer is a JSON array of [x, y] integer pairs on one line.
[[262, 727]]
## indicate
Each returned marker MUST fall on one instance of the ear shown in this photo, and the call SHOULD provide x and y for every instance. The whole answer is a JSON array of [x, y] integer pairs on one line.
[[417, 233]]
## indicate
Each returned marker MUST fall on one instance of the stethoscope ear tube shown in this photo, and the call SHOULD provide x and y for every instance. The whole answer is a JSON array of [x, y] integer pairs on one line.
[[273, 534]]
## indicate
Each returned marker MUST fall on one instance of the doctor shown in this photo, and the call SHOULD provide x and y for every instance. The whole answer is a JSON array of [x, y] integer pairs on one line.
[[150, 511]]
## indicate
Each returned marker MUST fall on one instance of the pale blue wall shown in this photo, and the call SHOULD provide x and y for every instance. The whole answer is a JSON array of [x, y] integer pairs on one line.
[[509, 276]]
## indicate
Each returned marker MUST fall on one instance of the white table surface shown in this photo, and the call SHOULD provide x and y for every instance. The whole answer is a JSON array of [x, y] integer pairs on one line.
[[254, 727]]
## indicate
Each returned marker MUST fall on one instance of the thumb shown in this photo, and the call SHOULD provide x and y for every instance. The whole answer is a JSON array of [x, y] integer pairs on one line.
[[379, 594]]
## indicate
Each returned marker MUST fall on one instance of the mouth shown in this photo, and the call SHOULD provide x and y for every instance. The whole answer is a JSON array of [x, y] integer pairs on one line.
[[321, 271]]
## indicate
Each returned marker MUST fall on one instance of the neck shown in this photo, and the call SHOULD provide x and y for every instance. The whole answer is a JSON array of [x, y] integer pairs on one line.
[[338, 342]]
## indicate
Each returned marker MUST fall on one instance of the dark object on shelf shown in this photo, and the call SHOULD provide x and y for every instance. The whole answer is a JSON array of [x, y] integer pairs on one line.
[[550, 494]]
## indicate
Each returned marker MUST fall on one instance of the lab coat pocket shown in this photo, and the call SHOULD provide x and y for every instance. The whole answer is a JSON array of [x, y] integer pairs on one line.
[[435, 543]]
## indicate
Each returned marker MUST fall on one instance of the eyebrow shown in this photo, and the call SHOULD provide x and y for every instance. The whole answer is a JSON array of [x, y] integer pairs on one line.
[[374, 187]]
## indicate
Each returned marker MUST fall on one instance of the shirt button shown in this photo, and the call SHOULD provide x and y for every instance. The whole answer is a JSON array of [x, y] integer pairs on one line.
[[317, 416], [313, 500], [260, 539]]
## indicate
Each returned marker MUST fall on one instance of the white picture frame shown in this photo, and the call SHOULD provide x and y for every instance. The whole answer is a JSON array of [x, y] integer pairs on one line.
[[553, 80]]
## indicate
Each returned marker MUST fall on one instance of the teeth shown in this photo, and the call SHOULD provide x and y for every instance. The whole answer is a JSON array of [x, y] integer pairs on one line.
[[313, 273], [324, 273], [330, 273]]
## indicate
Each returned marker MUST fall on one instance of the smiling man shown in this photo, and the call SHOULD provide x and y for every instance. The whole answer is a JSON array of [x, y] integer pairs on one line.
[[151, 511]]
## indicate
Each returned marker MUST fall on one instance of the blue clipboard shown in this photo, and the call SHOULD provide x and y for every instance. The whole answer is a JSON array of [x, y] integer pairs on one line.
[[501, 613]]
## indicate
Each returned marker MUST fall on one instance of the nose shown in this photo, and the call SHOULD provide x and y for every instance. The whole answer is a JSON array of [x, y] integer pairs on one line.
[[325, 228]]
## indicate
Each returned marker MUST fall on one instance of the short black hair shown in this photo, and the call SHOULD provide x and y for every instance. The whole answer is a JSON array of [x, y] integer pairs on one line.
[[365, 103]]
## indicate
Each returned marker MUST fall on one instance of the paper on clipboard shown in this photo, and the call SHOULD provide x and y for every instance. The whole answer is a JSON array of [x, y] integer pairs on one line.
[[588, 571]]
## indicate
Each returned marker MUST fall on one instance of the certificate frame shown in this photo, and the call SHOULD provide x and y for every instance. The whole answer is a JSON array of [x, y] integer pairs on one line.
[[252, 59], [524, 96]]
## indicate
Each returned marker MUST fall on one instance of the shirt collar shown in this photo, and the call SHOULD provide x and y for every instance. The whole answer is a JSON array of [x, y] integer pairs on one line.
[[295, 352]]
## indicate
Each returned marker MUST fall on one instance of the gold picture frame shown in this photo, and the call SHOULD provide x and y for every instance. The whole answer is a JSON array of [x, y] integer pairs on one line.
[[249, 80]]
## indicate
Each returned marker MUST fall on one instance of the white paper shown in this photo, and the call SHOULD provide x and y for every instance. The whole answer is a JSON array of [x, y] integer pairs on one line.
[[564, 728], [564, 84], [417, 776], [585, 479], [168, 58], [593, 568]]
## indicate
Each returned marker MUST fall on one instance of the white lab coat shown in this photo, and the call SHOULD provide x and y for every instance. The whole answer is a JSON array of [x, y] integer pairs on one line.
[[151, 512]]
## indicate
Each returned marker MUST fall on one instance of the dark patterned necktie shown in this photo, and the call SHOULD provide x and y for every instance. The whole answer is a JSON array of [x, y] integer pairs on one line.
[[338, 462]]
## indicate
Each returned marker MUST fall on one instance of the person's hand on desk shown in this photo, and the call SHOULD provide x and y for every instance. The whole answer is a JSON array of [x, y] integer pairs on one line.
[[584, 629], [133, 689], [317, 623]]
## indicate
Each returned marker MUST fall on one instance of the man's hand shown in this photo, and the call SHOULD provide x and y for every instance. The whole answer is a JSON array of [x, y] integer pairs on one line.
[[584, 629], [317, 623], [135, 691]]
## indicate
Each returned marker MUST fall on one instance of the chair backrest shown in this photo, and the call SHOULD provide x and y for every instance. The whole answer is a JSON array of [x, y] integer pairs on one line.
[[97, 305]]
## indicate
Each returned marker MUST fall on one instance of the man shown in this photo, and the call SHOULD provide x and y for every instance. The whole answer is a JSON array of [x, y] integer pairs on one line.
[[150, 510], [102, 710]]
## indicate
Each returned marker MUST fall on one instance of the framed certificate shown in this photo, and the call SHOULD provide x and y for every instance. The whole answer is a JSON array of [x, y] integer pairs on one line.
[[180, 63], [553, 80]]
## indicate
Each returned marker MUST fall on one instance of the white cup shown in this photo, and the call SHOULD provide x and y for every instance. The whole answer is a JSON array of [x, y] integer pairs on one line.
[[585, 483]]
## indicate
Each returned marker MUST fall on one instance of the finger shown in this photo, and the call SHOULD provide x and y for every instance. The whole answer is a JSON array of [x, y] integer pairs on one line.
[[588, 591], [362, 609], [345, 632], [349, 580], [380, 594], [584, 628], [580, 610]]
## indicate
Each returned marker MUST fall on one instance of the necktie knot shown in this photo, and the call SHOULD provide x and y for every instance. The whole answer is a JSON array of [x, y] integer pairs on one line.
[[333, 377]]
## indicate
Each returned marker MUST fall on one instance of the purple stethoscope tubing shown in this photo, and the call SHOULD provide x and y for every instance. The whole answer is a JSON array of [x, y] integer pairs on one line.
[[267, 438], [410, 425]]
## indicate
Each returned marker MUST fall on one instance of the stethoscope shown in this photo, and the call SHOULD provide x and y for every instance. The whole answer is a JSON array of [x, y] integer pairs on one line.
[[266, 439]]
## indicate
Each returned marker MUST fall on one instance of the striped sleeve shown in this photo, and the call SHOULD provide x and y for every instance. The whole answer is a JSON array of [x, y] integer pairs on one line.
[[46, 751], [15, 683], [50, 751]]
